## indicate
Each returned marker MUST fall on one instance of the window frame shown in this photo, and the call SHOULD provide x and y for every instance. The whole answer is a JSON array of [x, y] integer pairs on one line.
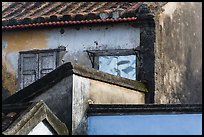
[[95, 54]]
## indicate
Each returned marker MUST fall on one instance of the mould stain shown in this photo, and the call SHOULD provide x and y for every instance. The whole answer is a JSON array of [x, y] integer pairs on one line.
[[176, 80], [8, 81]]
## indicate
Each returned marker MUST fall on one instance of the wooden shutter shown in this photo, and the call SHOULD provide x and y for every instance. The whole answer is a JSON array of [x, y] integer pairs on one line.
[[28, 69], [35, 64], [47, 63]]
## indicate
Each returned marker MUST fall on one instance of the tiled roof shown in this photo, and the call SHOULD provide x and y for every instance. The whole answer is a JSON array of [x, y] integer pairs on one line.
[[32, 14]]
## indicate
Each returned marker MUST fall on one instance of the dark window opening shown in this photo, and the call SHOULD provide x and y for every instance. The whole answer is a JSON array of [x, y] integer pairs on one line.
[[51, 129]]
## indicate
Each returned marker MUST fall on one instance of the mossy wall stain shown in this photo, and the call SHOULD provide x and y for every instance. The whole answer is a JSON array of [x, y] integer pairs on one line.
[[13, 42], [8, 81], [179, 53]]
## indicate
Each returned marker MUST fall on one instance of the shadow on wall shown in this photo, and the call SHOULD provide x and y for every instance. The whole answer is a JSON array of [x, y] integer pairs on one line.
[[5, 94], [148, 60]]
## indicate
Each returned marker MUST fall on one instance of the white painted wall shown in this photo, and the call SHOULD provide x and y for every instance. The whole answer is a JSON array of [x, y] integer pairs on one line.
[[40, 129], [120, 36], [116, 36]]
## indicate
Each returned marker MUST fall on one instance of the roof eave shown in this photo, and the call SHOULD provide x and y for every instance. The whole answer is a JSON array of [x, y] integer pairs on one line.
[[5, 25]]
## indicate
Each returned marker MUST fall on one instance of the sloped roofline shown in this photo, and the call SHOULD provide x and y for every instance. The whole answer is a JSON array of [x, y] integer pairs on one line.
[[68, 69], [34, 114]]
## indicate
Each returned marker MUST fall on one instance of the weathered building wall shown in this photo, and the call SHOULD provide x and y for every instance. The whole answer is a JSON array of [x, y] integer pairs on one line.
[[76, 40], [178, 53], [12, 43], [69, 99], [8, 82], [146, 74], [59, 99], [69, 89], [112, 94], [87, 90]]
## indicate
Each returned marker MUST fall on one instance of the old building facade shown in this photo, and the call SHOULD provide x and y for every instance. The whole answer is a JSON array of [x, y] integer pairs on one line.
[[178, 53], [167, 55], [82, 56], [93, 40]]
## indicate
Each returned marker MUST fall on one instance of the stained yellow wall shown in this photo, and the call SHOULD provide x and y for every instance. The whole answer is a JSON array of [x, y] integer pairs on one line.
[[16, 41], [24, 40]]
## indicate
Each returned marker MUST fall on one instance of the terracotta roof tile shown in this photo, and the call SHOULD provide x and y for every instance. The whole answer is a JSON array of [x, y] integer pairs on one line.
[[19, 13]]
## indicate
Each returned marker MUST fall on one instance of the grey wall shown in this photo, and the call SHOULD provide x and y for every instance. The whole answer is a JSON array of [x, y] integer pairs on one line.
[[59, 99], [5, 94], [69, 98], [146, 71], [178, 51]]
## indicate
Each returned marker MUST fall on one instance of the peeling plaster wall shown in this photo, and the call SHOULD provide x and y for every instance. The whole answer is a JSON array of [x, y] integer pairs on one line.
[[178, 53], [76, 40], [12, 43]]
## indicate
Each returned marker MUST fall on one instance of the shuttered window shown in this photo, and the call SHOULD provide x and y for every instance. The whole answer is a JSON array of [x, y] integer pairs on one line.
[[28, 69], [37, 63], [47, 63]]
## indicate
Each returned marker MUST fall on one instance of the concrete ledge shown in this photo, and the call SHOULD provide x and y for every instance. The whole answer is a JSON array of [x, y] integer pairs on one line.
[[108, 78], [67, 69], [114, 109]]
